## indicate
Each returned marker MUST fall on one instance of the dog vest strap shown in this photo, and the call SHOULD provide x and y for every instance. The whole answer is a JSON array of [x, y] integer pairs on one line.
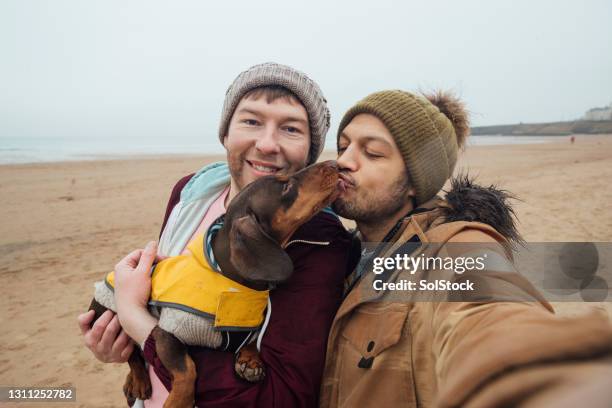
[[210, 234]]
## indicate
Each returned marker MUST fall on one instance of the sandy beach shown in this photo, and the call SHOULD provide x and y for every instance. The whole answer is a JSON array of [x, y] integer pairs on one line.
[[64, 225]]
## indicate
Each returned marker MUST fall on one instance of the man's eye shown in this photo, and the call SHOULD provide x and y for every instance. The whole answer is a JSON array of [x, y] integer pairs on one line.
[[373, 155], [341, 149], [250, 122], [292, 129]]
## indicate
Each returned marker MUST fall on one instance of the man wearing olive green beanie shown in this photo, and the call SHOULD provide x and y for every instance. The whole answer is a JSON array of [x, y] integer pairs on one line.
[[390, 345], [428, 130], [408, 143]]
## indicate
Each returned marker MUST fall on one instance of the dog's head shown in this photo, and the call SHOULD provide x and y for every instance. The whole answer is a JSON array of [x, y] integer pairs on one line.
[[268, 211]]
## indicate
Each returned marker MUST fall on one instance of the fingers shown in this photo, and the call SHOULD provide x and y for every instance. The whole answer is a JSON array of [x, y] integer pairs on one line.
[[159, 258], [127, 351], [108, 342], [147, 258], [141, 260], [122, 346], [92, 338], [121, 342], [130, 260], [85, 320], [108, 337]]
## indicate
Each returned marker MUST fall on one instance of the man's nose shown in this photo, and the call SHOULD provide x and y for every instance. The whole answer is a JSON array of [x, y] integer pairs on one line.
[[267, 143], [346, 161]]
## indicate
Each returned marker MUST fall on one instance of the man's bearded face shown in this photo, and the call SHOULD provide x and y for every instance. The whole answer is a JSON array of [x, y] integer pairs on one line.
[[376, 180], [369, 205]]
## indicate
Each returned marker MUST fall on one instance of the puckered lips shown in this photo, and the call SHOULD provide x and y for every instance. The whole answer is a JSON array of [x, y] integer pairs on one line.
[[338, 191], [345, 182], [262, 168]]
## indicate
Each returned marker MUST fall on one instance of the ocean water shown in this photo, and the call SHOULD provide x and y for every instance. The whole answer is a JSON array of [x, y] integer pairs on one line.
[[47, 149], [42, 149]]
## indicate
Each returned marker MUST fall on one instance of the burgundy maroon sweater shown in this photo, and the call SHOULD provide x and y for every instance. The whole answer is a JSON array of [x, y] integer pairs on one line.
[[293, 347]]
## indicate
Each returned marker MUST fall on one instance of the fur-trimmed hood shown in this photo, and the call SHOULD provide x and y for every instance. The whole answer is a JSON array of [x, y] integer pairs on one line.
[[468, 201]]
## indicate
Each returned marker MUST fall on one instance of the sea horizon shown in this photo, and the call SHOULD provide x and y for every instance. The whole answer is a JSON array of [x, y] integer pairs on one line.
[[54, 149]]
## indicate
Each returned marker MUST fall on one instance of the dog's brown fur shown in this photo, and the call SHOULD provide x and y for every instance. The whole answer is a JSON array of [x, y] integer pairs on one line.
[[249, 248]]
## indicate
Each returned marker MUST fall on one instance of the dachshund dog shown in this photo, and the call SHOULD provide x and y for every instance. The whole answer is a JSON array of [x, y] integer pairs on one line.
[[232, 271]]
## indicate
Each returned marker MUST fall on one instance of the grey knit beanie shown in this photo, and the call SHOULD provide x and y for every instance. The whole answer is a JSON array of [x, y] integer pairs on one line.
[[307, 91]]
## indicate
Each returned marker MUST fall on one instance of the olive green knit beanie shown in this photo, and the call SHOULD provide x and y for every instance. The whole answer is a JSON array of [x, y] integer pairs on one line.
[[428, 131]]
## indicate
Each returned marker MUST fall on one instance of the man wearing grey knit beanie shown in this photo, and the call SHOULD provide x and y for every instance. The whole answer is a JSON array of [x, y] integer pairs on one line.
[[412, 333], [273, 122]]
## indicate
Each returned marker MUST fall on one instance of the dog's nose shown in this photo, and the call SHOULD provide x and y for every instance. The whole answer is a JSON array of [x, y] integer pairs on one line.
[[332, 164]]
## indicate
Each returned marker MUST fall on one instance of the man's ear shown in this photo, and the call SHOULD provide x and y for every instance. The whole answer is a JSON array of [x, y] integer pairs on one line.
[[255, 255]]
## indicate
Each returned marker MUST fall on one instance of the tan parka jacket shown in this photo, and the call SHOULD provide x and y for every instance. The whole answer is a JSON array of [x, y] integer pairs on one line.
[[388, 353]]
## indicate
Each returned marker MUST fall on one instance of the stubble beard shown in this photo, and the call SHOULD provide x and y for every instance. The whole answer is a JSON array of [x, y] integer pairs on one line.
[[236, 163], [375, 206]]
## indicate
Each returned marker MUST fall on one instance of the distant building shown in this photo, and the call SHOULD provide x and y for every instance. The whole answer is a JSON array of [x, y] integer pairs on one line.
[[604, 113]]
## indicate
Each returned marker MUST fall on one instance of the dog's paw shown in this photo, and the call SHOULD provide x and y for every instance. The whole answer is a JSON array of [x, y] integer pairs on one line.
[[136, 387], [249, 366]]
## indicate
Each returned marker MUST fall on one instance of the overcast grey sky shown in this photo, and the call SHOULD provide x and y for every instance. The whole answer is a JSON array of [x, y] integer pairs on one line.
[[160, 68]]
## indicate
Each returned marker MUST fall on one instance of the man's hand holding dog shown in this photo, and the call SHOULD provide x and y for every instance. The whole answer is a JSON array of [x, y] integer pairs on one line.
[[132, 290], [106, 339]]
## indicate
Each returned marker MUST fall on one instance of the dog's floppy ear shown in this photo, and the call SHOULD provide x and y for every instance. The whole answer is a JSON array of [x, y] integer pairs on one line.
[[255, 254]]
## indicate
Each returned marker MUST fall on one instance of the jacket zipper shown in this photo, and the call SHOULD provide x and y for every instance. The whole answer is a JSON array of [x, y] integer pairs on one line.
[[303, 241]]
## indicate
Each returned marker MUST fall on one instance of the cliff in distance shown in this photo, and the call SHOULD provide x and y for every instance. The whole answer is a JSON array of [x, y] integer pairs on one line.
[[547, 129]]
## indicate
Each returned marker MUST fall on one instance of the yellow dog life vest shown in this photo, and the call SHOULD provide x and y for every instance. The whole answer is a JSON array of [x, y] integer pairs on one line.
[[189, 283]]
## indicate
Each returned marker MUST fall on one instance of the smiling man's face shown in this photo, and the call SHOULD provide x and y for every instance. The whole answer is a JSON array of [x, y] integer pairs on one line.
[[266, 137]]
